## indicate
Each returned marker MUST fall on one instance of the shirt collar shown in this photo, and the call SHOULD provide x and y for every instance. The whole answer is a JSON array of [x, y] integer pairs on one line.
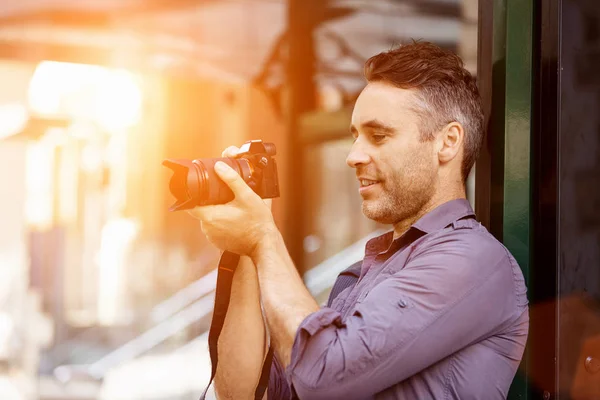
[[439, 218], [443, 215]]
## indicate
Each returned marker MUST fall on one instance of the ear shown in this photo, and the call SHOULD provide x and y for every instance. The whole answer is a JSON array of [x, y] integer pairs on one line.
[[450, 141]]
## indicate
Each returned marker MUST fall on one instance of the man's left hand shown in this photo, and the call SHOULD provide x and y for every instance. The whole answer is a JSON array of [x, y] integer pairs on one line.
[[240, 225]]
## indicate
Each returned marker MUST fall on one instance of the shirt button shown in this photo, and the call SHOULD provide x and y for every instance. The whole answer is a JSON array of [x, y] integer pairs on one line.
[[402, 303]]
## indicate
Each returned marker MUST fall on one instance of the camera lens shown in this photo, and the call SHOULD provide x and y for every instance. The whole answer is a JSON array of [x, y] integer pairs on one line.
[[195, 183], [178, 186]]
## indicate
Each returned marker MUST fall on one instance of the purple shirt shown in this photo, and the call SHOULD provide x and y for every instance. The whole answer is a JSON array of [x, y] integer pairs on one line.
[[439, 313]]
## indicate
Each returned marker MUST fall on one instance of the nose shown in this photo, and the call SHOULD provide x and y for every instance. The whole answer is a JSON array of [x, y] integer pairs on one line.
[[357, 155]]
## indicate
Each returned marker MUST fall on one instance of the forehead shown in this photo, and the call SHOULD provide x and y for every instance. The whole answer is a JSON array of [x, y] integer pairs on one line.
[[384, 102]]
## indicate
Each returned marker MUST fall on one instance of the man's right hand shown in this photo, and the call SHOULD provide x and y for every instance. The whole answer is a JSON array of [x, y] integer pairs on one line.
[[232, 152]]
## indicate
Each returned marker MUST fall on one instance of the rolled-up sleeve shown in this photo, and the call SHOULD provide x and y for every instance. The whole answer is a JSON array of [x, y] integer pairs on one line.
[[449, 295], [278, 388]]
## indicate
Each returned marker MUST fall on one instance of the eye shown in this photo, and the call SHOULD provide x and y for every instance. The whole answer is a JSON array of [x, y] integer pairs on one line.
[[377, 138]]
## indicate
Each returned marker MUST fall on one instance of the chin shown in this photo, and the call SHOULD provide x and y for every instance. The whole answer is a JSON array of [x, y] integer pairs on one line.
[[376, 213]]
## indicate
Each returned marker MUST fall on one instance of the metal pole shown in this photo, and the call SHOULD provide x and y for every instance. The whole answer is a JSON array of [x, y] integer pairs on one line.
[[301, 98]]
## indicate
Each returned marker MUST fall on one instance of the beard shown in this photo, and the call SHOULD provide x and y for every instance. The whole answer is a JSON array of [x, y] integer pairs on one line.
[[402, 195]]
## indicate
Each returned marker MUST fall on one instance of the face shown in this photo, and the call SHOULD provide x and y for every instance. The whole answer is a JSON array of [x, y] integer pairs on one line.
[[397, 171]]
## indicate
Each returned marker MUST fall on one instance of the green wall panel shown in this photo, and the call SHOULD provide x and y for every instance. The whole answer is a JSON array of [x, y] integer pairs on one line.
[[517, 149]]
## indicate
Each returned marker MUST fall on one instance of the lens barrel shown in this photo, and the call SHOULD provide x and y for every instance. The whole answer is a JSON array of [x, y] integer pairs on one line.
[[195, 183]]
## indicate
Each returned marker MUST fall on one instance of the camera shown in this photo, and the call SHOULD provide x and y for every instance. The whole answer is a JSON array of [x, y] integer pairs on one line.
[[195, 183]]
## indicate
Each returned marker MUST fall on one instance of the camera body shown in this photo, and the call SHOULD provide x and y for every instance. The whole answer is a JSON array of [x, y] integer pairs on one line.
[[259, 157], [194, 182]]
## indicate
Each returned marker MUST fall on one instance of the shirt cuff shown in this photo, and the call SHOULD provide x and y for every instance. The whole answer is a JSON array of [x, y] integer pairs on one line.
[[311, 325], [278, 388]]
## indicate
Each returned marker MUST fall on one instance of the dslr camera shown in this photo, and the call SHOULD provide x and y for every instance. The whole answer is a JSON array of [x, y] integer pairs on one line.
[[195, 183]]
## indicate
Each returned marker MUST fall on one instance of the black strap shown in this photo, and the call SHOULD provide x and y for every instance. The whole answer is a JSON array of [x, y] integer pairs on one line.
[[227, 266], [263, 382]]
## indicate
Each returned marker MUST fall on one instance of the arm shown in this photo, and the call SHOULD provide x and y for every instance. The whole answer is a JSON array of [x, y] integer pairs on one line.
[[245, 226], [287, 302], [416, 317], [242, 344], [242, 341]]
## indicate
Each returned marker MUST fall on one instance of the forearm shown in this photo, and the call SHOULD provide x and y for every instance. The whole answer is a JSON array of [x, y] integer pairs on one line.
[[286, 300], [242, 341]]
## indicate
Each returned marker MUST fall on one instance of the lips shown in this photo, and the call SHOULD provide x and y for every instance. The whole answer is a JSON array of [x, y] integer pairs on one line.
[[367, 185], [366, 182]]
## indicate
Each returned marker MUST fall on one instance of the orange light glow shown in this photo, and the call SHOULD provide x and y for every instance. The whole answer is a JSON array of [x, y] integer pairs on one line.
[[111, 98]]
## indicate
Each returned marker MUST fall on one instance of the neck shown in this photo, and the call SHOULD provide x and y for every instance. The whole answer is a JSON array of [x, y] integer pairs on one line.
[[437, 200]]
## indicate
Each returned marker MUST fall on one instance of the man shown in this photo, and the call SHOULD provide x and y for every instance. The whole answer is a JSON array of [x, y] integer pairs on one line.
[[439, 309]]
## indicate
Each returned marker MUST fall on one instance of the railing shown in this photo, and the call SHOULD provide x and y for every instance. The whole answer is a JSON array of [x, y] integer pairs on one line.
[[159, 313], [188, 294], [195, 302]]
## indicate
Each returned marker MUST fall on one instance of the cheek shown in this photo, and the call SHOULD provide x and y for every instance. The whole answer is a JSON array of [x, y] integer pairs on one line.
[[404, 159], [398, 163], [410, 165], [423, 155]]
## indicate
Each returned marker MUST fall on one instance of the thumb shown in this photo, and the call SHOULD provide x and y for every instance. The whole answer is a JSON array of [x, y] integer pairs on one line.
[[232, 179]]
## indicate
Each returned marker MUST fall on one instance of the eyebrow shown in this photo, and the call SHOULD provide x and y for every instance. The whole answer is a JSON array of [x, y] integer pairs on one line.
[[374, 125]]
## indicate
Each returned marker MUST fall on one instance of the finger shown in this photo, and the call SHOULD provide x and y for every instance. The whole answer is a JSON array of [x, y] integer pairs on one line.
[[196, 212], [203, 213], [232, 179], [203, 228], [231, 151], [268, 202], [206, 232]]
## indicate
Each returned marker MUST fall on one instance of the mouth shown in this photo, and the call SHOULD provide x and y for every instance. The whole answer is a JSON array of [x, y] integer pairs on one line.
[[366, 185], [366, 182]]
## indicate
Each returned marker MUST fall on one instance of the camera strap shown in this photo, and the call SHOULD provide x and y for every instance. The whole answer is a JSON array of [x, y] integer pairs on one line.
[[227, 266]]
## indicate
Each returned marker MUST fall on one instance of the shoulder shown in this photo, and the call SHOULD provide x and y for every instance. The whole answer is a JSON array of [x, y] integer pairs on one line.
[[469, 269], [469, 244], [468, 255]]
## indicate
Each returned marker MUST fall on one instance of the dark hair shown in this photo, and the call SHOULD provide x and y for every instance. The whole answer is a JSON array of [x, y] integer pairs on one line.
[[445, 91]]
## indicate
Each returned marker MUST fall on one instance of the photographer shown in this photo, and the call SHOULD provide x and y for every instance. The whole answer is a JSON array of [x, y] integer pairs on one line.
[[438, 306]]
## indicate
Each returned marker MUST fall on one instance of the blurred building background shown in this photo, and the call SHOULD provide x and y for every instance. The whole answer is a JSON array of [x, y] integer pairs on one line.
[[104, 294]]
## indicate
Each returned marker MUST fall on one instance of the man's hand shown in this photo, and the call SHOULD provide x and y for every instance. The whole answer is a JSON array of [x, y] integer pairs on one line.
[[240, 225], [245, 226]]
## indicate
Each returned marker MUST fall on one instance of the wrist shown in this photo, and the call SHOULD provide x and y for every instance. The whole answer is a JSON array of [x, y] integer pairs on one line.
[[269, 243]]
